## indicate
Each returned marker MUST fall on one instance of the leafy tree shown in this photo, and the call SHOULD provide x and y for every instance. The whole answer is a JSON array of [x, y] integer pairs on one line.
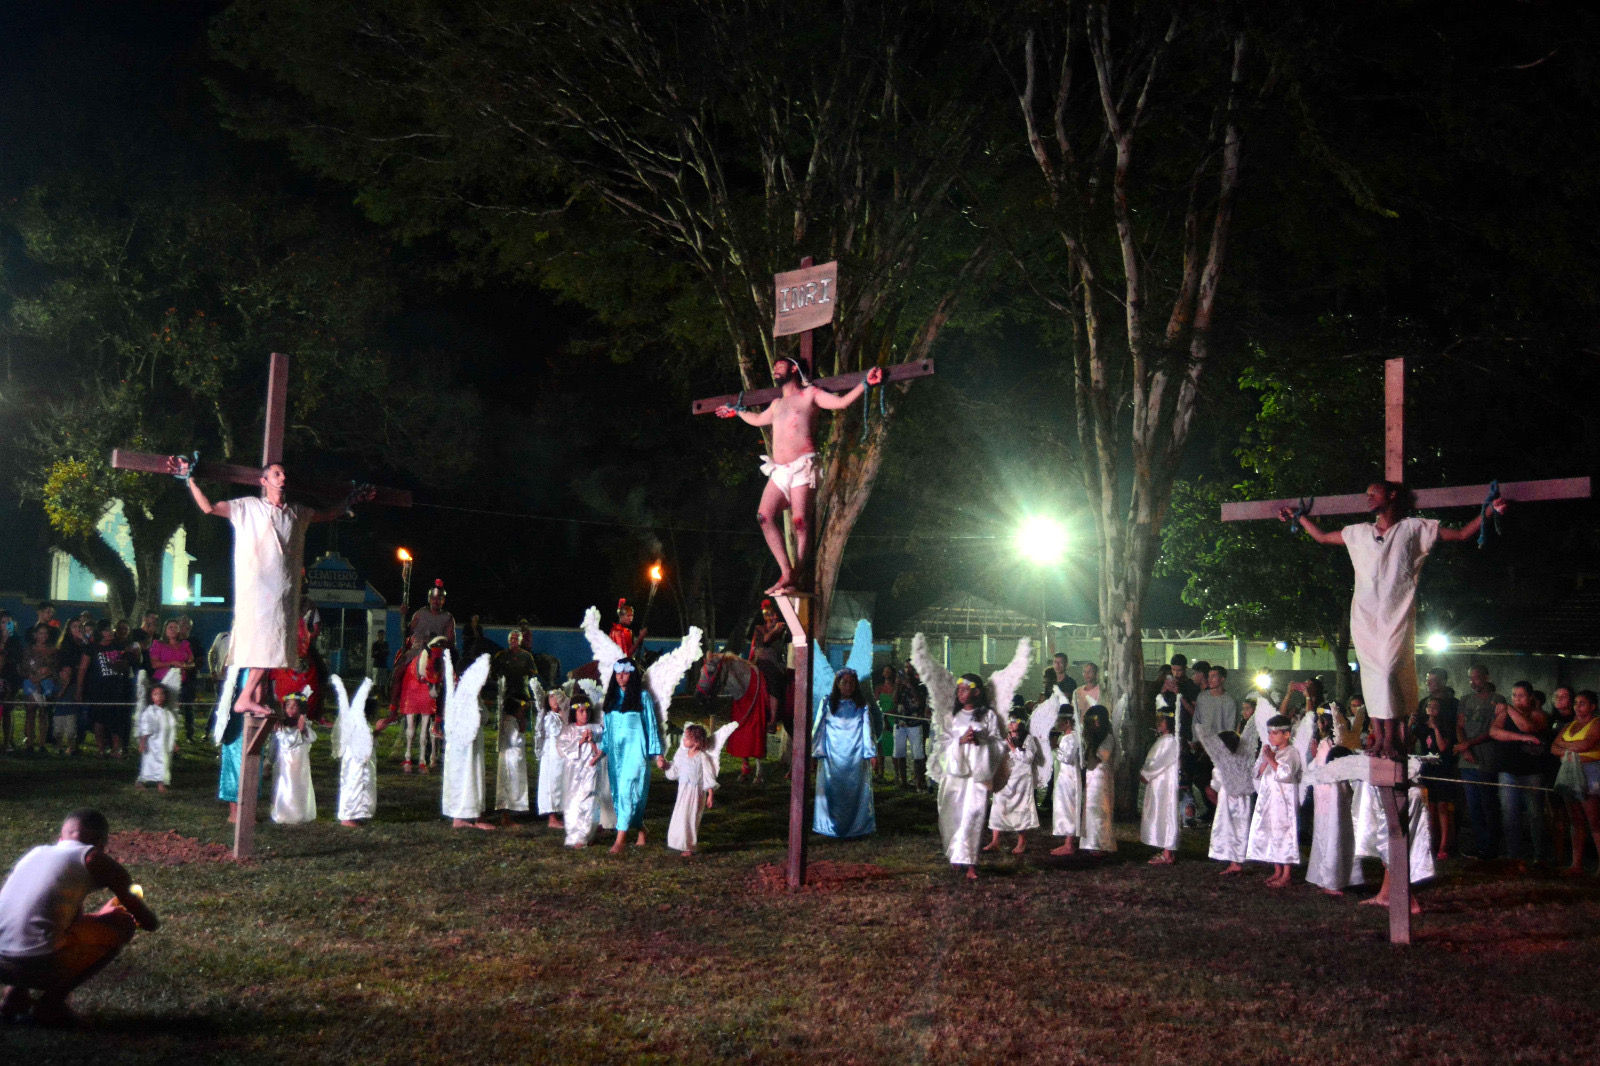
[[656, 162], [155, 307]]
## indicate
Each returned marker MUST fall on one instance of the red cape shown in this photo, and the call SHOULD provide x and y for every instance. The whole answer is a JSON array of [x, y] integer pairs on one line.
[[749, 741]]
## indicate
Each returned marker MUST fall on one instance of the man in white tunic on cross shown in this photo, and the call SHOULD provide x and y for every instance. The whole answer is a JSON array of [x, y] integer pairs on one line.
[[1387, 554], [269, 539]]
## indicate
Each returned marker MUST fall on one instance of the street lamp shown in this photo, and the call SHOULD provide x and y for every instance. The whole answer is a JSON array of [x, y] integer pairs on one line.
[[1042, 541], [1263, 681], [1438, 643]]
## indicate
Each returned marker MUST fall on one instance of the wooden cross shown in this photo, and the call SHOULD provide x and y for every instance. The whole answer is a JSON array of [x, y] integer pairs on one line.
[[1386, 775], [256, 729], [803, 300]]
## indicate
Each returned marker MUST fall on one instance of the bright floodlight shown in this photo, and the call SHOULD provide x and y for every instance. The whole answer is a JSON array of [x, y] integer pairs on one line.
[[1263, 681], [101, 588], [1282, 645], [1438, 642], [1042, 540]]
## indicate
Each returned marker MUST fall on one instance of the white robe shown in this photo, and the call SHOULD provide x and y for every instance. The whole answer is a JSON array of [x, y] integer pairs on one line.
[[1383, 614], [511, 770], [696, 776], [1100, 801], [1013, 808], [551, 765], [268, 550], [581, 780], [968, 772], [1374, 842], [463, 773], [1158, 821], [1066, 797], [358, 787], [1333, 864], [1230, 822], [1275, 827], [294, 800], [158, 728]]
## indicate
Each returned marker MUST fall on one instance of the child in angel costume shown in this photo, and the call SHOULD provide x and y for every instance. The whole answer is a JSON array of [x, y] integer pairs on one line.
[[694, 768], [1372, 835], [1066, 792], [1333, 865], [1158, 819], [546, 742], [843, 743], [294, 799], [358, 763], [157, 729], [1014, 808], [582, 775], [1275, 826], [462, 801], [511, 756], [1098, 751], [970, 755], [1233, 760], [635, 719]]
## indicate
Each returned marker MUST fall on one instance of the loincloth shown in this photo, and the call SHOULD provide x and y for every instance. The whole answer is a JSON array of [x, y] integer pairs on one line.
[[801, 471]]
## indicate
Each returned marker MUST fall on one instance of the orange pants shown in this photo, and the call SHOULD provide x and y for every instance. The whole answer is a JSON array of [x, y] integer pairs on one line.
[[90, 942]]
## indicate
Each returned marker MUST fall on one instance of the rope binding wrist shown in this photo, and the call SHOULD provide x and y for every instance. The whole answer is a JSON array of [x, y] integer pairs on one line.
[[1488, 514], [1300, 511]]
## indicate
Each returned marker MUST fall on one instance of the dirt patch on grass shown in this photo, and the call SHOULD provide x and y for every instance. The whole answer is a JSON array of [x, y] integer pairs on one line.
[[136, 846], [824, 876]]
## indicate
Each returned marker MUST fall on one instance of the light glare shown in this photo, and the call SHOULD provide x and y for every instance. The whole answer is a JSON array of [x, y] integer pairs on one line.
[[1438, 642], [1263, 681], [1042, 540]]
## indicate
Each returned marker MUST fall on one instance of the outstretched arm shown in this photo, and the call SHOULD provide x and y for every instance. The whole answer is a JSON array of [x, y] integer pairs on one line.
[[829, 401], [1317, 533], [754, 418], [360, 494], [1470, 530], [181, 466]]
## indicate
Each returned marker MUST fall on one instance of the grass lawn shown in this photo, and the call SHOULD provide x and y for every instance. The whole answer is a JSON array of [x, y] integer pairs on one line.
[[408, 941]]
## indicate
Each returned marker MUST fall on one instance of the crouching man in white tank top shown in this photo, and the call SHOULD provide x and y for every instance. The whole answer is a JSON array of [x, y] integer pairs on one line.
[[47, 943]]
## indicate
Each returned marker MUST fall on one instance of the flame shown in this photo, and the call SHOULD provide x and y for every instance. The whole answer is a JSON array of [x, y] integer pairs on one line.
[[403, 555], [655, 572]]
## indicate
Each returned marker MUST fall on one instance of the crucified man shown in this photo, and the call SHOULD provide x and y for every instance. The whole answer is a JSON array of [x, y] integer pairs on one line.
[[791, 469], [1387, 555], [269, 539]]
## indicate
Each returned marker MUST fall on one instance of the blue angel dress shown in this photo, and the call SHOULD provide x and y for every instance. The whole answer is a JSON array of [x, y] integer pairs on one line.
[[844, 741], [631, 741]]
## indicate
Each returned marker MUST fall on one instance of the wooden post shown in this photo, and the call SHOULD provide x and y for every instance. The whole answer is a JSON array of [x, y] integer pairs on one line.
[[256, 732], [277, 409], [1394, 420], [799, 756], [1388, 776]]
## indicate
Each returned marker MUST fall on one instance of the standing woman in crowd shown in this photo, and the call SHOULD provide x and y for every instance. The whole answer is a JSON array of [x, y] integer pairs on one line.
[[1438, 737], [103, 684], [72, 719], [888, 683], [169, 653], [1581, 737]]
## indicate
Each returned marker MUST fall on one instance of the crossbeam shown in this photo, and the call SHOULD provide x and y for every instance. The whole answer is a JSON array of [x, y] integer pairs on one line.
[[1569, 488], [921, 368], [150, 463]]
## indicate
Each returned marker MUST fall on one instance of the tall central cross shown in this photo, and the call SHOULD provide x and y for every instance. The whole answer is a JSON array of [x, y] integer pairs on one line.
[[1387, 775], [256, 730], [803, 301]]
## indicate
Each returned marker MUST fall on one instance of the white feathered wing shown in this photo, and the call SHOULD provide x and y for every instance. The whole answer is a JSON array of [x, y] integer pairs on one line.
[[664, 674], [230, 688], [462, 719], [1003, 684], [355, 735], [606, 651]]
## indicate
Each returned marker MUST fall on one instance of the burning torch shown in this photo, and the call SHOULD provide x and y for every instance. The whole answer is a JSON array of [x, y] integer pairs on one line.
[[655, 573], [405, 581]]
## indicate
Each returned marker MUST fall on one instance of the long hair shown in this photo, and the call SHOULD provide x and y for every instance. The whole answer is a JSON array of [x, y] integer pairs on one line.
[[983, 692], [835, 696], [630, 698], [1096, 727]]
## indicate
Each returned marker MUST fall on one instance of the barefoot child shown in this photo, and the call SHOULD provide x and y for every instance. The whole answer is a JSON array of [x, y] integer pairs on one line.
[[1333, 865], [696, 775], [579, 745], [1233, 786], [1275, 828], [1158, 821], [158, 735], [552, 767], [294, 800], [1013, 808], [1066, 797]]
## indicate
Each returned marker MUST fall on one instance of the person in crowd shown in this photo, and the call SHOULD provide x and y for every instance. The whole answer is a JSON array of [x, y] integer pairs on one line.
[[47, 944], [1064, 682], [42, 680], [174, 652], [1476, 758], [1437, 739], [883, 695], [11, 654], [105, 684], [911, 727], [1581, 737], [1520, 733]]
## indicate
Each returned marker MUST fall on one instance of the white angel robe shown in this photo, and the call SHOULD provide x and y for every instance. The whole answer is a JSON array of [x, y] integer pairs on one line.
[[293, 798], [1100, 801], [1158, 821], [1383, 613], [1374, 842], [1013, 809], [1230, 822], [1066, 796], [580, 781], [696, 776], [158, 728], [1275, 826], [358, 786], [511, 769], [1333, 864], [463, 771], [268, 552], [968, 772], [551, 765]]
